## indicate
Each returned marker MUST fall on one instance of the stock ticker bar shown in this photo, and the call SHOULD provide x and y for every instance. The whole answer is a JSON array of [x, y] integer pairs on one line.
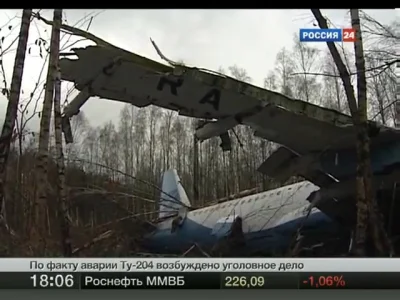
[[200, 273], [200, 280], [240, 280]]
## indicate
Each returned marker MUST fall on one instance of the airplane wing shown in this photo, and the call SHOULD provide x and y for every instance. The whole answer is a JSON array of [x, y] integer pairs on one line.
[[304, 129], [116, 75]]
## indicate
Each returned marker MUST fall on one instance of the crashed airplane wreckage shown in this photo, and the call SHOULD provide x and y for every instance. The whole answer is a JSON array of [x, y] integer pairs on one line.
[[274, 223], [317, 143]]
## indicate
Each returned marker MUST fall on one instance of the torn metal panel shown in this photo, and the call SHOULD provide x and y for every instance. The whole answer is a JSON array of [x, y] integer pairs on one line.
[[341, 211], [318, 177], [303, 134], [276, 166], [337, 200], [323, 168], [342, 164], [190, 91], [215, 128], [76, 103], [283, 164], [300, 133]]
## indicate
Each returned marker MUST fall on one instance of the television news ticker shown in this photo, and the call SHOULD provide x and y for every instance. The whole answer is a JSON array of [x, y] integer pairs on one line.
[[200, 273], [327, 35]]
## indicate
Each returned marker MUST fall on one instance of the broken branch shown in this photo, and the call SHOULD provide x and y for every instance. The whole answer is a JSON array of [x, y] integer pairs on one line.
[[382, 68]]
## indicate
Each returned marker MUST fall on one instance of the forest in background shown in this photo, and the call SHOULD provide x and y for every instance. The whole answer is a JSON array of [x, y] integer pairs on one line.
[[113, 170]]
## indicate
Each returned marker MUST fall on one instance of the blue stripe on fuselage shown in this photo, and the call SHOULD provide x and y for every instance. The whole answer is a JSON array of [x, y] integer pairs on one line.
[[274, 239]]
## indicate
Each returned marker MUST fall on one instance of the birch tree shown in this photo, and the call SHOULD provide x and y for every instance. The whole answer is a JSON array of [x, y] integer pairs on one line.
[[61, 185], [367, 216], [43, 151], [12, 106]]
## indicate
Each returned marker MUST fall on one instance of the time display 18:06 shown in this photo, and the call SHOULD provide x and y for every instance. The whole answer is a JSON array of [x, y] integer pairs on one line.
[[54, 280]]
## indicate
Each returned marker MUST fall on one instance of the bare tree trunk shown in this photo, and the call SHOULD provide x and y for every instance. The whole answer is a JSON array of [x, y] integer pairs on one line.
[[364, 192], [12, 107], [337, 90], [195, 170], [42, 158], [61, 186], [364, 199], [364, 170]]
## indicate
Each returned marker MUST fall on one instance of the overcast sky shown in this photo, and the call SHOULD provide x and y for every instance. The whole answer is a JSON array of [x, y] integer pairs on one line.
[[202, 38]]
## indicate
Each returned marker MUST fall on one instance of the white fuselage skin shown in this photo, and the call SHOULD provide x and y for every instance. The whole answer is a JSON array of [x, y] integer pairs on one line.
[[269, 217]]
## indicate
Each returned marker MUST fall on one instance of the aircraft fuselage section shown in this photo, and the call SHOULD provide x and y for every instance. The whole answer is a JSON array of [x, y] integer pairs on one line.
[[270, 220]]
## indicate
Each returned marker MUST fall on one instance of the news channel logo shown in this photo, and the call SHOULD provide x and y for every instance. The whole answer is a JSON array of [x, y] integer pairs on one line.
[[327, 35]]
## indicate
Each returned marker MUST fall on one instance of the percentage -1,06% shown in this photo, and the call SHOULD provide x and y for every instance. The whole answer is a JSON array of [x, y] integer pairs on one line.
[[325, 281]]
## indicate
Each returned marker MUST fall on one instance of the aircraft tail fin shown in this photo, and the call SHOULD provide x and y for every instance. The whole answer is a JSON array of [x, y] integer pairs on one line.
[[173, 196]]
